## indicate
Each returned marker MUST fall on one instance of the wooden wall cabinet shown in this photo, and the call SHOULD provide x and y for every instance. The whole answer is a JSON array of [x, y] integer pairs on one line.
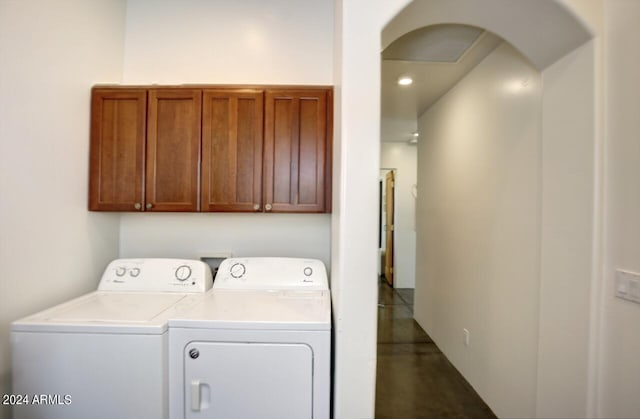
[[297, 150], [117, 157], [173, 150], [145, 149], [211, 149], [232, 150]]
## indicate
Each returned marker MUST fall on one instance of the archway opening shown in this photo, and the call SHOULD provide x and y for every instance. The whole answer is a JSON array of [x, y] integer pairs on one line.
[[562, 51]]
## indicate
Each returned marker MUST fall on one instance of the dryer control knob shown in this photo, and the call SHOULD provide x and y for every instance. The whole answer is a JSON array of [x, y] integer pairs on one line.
[[183, 273], [308, 271], [121, 270], [237, 270]]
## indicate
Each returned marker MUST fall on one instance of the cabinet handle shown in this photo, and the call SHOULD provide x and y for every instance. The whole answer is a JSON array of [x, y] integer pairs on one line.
[[149, 206], [268, 207], [137, 205], [256, 207]]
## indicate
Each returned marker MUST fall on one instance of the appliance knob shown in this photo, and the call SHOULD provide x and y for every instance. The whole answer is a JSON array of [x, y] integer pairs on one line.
[[308, 271], [194, 353], [134, 272], [183, 273], [237, 270], [121, 270]]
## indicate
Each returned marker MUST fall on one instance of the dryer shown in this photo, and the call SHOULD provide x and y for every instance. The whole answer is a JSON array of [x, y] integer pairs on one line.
[[104, 355], [257, 346]]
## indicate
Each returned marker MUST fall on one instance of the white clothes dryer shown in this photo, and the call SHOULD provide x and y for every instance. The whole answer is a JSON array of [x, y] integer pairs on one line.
[[257, 346], [104, 355]]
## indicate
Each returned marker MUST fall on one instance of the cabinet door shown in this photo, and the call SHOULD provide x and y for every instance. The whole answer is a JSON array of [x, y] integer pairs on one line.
[[173, 149], [297, 150], [116, 169], [232, 150]]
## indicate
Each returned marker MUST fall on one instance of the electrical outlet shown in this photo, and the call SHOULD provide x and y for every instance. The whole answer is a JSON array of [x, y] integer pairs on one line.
[[466, 337]]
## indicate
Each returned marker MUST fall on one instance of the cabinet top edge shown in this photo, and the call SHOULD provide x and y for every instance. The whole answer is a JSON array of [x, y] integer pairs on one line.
[[214, 86]]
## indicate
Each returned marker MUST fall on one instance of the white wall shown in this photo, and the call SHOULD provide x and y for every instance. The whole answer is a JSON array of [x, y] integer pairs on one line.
[[195, 235], [621, 327], [569, 252], [224, 42], [51, 247], [478, 228], [404, 158], [357, 62], [356, 170]]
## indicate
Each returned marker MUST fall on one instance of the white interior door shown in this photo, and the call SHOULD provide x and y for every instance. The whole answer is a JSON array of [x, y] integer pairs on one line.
[[229, 380]]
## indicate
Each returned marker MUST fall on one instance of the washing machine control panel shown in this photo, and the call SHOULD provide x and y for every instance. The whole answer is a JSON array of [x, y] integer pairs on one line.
[[161, 275], [271, 273]]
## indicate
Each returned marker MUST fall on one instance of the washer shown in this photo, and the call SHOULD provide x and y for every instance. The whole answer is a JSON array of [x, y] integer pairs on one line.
[[257, 346], [104, 354]]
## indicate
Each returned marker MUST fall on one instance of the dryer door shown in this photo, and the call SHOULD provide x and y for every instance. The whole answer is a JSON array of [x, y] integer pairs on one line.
[[239, 380]]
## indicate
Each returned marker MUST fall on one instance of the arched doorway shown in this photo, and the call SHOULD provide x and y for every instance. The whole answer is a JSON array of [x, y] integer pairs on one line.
[[569, 173], [478, 223]]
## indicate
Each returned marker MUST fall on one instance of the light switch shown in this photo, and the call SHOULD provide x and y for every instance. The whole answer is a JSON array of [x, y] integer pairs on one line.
[[633, 289], [628, 285]]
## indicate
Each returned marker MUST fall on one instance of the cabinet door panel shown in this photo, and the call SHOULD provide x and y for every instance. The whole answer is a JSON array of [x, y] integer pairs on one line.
[[284, 166], [116, 174], [173, 149], [232, 150], [311, 152], [297, 142]]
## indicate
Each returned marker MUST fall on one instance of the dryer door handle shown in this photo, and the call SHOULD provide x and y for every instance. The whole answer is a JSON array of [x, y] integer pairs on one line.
[[195, 395]]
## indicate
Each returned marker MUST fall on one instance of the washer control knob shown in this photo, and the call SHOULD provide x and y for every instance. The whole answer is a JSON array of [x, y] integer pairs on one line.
[[308, 271], [237, 270], [121, 270], [194, 353], [134, 272], [183, 273]]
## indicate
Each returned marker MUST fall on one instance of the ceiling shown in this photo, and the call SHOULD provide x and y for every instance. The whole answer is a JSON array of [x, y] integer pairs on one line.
[[436, 58]]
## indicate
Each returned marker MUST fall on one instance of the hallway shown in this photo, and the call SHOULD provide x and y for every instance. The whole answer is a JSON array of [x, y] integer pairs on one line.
[[414, 379]]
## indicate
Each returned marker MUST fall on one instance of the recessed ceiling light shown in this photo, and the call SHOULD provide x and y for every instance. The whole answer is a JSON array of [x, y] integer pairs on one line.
[[413, 140], [405, 81], [416, 134]]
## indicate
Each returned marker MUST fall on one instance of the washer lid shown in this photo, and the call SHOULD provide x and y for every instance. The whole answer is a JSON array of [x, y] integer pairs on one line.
[[265, 310], [106, 312], [117, 308]]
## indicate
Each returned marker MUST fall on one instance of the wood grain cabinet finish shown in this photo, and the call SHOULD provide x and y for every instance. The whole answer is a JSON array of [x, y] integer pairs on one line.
[[117, 149], [297, 150], [232, 126], [211, 148], [173, 150]]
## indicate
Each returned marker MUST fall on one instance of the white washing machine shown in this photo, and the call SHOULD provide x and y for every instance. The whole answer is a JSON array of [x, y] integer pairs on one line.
[[257, 346], [104, 355]]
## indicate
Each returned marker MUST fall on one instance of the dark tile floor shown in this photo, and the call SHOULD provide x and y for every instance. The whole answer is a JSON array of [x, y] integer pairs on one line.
[[414, 379]]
